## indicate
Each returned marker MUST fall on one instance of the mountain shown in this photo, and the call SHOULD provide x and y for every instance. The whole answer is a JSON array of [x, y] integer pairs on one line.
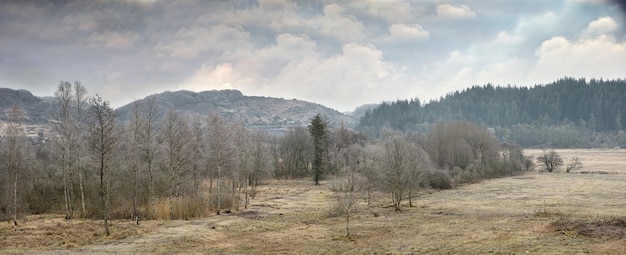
[[234, 106], [37, 110]]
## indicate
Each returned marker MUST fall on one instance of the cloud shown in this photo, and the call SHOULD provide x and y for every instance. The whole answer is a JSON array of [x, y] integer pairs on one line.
[[601, 26], [113, 39], [601, 56], [407, 33], [194, 41], [450, 11]]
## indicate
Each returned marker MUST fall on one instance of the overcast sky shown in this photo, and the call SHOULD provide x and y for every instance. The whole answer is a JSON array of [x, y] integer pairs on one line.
[[341, 54]]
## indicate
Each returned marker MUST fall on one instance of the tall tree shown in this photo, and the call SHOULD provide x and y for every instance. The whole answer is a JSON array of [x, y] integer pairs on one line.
[[64, 127], [317, 129], [149, 143], [177, 137], [15, 149], [102, 140], [79, 99], [221, 151]]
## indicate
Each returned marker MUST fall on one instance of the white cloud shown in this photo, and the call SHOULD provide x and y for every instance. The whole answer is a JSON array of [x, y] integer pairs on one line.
[[460, 11], [601, 26], [504, 38], [599, 57], [407, 33]]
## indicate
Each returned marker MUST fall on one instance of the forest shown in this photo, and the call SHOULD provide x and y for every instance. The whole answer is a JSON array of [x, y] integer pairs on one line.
[[167, 165], [567, 113]]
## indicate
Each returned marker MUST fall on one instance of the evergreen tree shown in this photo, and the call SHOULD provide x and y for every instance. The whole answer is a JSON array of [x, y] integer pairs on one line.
[[318, 131]]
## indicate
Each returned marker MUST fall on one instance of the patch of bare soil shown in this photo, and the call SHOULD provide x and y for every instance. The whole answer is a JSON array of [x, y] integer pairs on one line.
[[602, 228]]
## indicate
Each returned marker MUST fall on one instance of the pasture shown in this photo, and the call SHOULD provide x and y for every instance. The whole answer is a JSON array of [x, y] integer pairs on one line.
[[536, 213]]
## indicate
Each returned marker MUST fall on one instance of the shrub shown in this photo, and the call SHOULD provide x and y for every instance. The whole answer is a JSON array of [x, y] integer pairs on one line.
[[439, 179]]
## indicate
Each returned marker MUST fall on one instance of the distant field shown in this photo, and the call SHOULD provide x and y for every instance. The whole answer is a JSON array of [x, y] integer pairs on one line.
[[536, 213], [594, 160]]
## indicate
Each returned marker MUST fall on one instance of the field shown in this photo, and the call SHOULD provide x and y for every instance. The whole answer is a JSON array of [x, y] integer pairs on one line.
[[536, 213]]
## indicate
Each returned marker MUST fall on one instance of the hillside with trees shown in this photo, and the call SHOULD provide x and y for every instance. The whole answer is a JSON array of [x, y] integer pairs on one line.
[[566, 113]]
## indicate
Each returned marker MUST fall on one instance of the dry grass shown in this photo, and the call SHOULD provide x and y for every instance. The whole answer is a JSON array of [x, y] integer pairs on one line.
[[537, 213]]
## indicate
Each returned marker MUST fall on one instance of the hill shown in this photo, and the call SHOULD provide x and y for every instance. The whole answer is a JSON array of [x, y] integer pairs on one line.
[[234, 106], [579, 108], [37, 110]]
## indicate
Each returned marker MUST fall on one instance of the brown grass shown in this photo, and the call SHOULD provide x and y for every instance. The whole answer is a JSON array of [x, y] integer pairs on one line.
[[537, 213]]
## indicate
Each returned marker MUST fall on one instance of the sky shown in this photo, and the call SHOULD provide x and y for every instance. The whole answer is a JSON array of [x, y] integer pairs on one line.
[[341, 54]]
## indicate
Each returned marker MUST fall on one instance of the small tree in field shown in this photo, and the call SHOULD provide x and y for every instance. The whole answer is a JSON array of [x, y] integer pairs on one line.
[[573, 165], [550, 160]]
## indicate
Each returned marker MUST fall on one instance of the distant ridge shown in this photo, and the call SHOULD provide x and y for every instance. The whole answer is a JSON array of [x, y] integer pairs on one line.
[[248, 110]]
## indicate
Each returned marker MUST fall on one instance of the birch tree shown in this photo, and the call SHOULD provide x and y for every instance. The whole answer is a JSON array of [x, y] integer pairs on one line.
[[220, 150], [102, 140], [15, 150], [62, 112], [149, 144], [177, 137]]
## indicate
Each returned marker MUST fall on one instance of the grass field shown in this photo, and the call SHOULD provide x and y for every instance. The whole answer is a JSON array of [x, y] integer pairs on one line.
[[536, 213]]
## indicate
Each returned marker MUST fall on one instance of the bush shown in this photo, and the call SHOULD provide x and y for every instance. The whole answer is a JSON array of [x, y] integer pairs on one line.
[[439, 179]]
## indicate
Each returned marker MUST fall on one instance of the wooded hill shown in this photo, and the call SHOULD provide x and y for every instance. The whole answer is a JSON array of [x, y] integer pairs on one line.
[[566, 113]]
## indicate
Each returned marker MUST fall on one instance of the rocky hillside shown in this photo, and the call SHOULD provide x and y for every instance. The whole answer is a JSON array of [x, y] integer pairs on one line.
[[37, 111], [234, 106]]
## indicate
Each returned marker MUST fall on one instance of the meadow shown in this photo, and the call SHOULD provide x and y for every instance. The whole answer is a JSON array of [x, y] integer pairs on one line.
[[536, 213]]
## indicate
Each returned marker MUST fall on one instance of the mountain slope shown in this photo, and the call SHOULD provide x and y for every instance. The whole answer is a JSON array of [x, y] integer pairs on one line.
[[37, 111], [234, 106]]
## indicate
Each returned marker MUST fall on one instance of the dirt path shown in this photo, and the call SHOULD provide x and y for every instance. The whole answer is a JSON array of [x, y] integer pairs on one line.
[[212, 233]]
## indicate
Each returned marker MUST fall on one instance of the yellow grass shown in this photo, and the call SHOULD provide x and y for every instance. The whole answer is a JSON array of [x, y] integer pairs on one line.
[[515, 215]]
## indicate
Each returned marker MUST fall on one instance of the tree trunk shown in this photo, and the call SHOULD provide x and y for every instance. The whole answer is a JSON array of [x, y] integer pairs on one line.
[[16, 172]]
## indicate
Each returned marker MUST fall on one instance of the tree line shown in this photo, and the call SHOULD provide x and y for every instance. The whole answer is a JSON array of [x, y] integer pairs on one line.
[[580, 111], [167, 165]]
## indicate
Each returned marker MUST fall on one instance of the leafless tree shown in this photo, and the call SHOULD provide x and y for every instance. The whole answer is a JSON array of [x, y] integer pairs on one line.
[[402, 162], [295, 148], [221, 151], [551, 160], [79, 99], [15, 154], [573, 165], [149, 143], [349, 184], [102, 140], [177, 137], [63, 124], [134, 130]]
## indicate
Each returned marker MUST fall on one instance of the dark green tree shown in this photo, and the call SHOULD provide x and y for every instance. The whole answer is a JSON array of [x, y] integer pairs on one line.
[[317, 129]]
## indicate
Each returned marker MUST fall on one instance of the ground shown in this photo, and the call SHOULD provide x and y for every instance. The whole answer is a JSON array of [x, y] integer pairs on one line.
[[536, 213]]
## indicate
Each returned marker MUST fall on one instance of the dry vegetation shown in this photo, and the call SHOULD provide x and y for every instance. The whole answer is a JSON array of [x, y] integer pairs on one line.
[[537, 213]]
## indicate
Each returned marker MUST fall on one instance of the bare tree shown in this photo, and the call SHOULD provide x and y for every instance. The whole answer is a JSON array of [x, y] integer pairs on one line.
[[134, 127], [149, 143], [550, 160], [402, 162], [102, 139], [177, 137], [221, 151], [15, 153], [80, 94], [348, 186], [295, 148], [573, 165], [63, 124]]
